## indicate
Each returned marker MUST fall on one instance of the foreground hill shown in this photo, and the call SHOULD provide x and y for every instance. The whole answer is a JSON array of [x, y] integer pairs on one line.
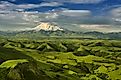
[[63, 59]]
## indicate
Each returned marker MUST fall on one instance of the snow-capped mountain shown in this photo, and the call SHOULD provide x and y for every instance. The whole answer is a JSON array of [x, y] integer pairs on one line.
[[47, 27]]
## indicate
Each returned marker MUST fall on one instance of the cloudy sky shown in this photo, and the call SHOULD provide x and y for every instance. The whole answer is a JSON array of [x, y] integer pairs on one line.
[[78, 15]]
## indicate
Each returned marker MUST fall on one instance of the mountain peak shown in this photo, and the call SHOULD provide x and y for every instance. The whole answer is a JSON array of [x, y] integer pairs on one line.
[[47, 27]]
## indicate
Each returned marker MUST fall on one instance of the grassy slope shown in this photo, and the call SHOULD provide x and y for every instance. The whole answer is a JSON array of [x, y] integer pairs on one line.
[[65, 59]]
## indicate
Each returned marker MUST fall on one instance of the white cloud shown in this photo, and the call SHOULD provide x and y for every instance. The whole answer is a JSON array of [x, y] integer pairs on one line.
[[27, 6], [74, 13], [66, 12], [118, 20], [115, 14], [2, 6], [86, 1], [77, 1], [50, 4], [5, 5], [99, 27], [94, 26], [19, 16], [7, 16], [51, 16]]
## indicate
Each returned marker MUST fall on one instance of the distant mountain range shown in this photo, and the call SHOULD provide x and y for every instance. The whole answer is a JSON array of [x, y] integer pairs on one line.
[[52, 30]]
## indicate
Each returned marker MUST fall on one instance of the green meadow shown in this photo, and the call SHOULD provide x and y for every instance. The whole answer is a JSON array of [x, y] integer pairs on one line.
[[60, 59]]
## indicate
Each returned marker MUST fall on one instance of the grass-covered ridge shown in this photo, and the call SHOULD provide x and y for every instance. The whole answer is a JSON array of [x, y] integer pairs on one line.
[[12, 63], [63, 59]]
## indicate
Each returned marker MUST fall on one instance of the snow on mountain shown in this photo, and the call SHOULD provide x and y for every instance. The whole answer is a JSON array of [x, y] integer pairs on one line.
[[47, 27]]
